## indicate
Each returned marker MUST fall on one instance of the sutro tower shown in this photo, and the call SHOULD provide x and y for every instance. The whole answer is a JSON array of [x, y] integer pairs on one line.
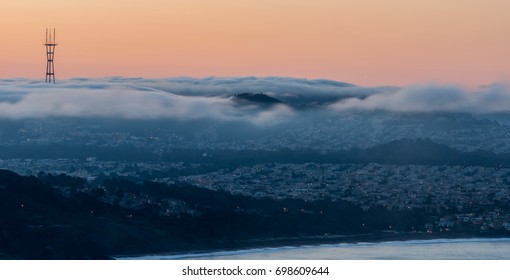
[[50, 44]]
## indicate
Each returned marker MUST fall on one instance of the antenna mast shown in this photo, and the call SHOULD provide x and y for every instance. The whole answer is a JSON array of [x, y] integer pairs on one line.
[[50, 44]]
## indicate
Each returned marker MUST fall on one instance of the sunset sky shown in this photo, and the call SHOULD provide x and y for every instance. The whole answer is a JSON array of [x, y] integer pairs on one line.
[[365, 42]]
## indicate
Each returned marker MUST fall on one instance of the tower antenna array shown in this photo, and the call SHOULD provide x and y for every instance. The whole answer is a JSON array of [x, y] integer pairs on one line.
[[50, 44]]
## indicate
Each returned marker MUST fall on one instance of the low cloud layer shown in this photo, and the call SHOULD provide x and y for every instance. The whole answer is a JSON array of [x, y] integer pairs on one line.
[[208, 98], [432, 98], [20, 99]]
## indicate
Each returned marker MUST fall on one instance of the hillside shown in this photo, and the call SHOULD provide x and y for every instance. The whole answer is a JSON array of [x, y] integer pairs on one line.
[[255, 98]]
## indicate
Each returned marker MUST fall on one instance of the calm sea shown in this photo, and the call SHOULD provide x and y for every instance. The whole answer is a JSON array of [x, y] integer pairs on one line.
[[437, 249]]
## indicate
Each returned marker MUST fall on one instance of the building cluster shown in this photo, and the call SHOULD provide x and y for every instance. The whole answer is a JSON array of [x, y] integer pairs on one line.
[[477, 195]]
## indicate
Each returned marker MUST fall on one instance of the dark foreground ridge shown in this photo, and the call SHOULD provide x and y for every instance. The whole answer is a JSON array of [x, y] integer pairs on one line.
[[91, 222]]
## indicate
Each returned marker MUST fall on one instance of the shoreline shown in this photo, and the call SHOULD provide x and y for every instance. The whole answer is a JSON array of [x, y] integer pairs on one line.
[[279, 243]]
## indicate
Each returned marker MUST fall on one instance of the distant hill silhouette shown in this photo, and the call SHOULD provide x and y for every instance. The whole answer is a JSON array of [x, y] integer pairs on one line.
[[256, 98], [425, 151], [409, 151]]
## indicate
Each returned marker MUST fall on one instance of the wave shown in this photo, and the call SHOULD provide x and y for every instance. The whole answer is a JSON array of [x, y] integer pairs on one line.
[[418, 242], [269, 250], [211, 254]]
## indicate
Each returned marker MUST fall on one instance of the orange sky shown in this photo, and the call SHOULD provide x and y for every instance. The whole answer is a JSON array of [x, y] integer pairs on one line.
[[366, 42]]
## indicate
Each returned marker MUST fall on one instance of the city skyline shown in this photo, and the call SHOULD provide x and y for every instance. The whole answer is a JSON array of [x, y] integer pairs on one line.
[[369, 43]]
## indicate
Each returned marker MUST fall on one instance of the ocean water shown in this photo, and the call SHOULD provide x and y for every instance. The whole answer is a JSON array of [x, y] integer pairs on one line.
[[436, 249]]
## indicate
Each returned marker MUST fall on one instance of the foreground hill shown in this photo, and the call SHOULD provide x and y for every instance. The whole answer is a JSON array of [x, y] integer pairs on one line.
[[94, 222], [39, 223]]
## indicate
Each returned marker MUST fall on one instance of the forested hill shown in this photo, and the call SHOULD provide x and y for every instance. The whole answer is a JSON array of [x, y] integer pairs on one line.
[[37, 222]]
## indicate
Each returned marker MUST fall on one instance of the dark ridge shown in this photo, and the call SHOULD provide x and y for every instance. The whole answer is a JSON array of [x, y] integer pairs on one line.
[[412, 151], [36, 222], [259, 98], [428, 152]]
